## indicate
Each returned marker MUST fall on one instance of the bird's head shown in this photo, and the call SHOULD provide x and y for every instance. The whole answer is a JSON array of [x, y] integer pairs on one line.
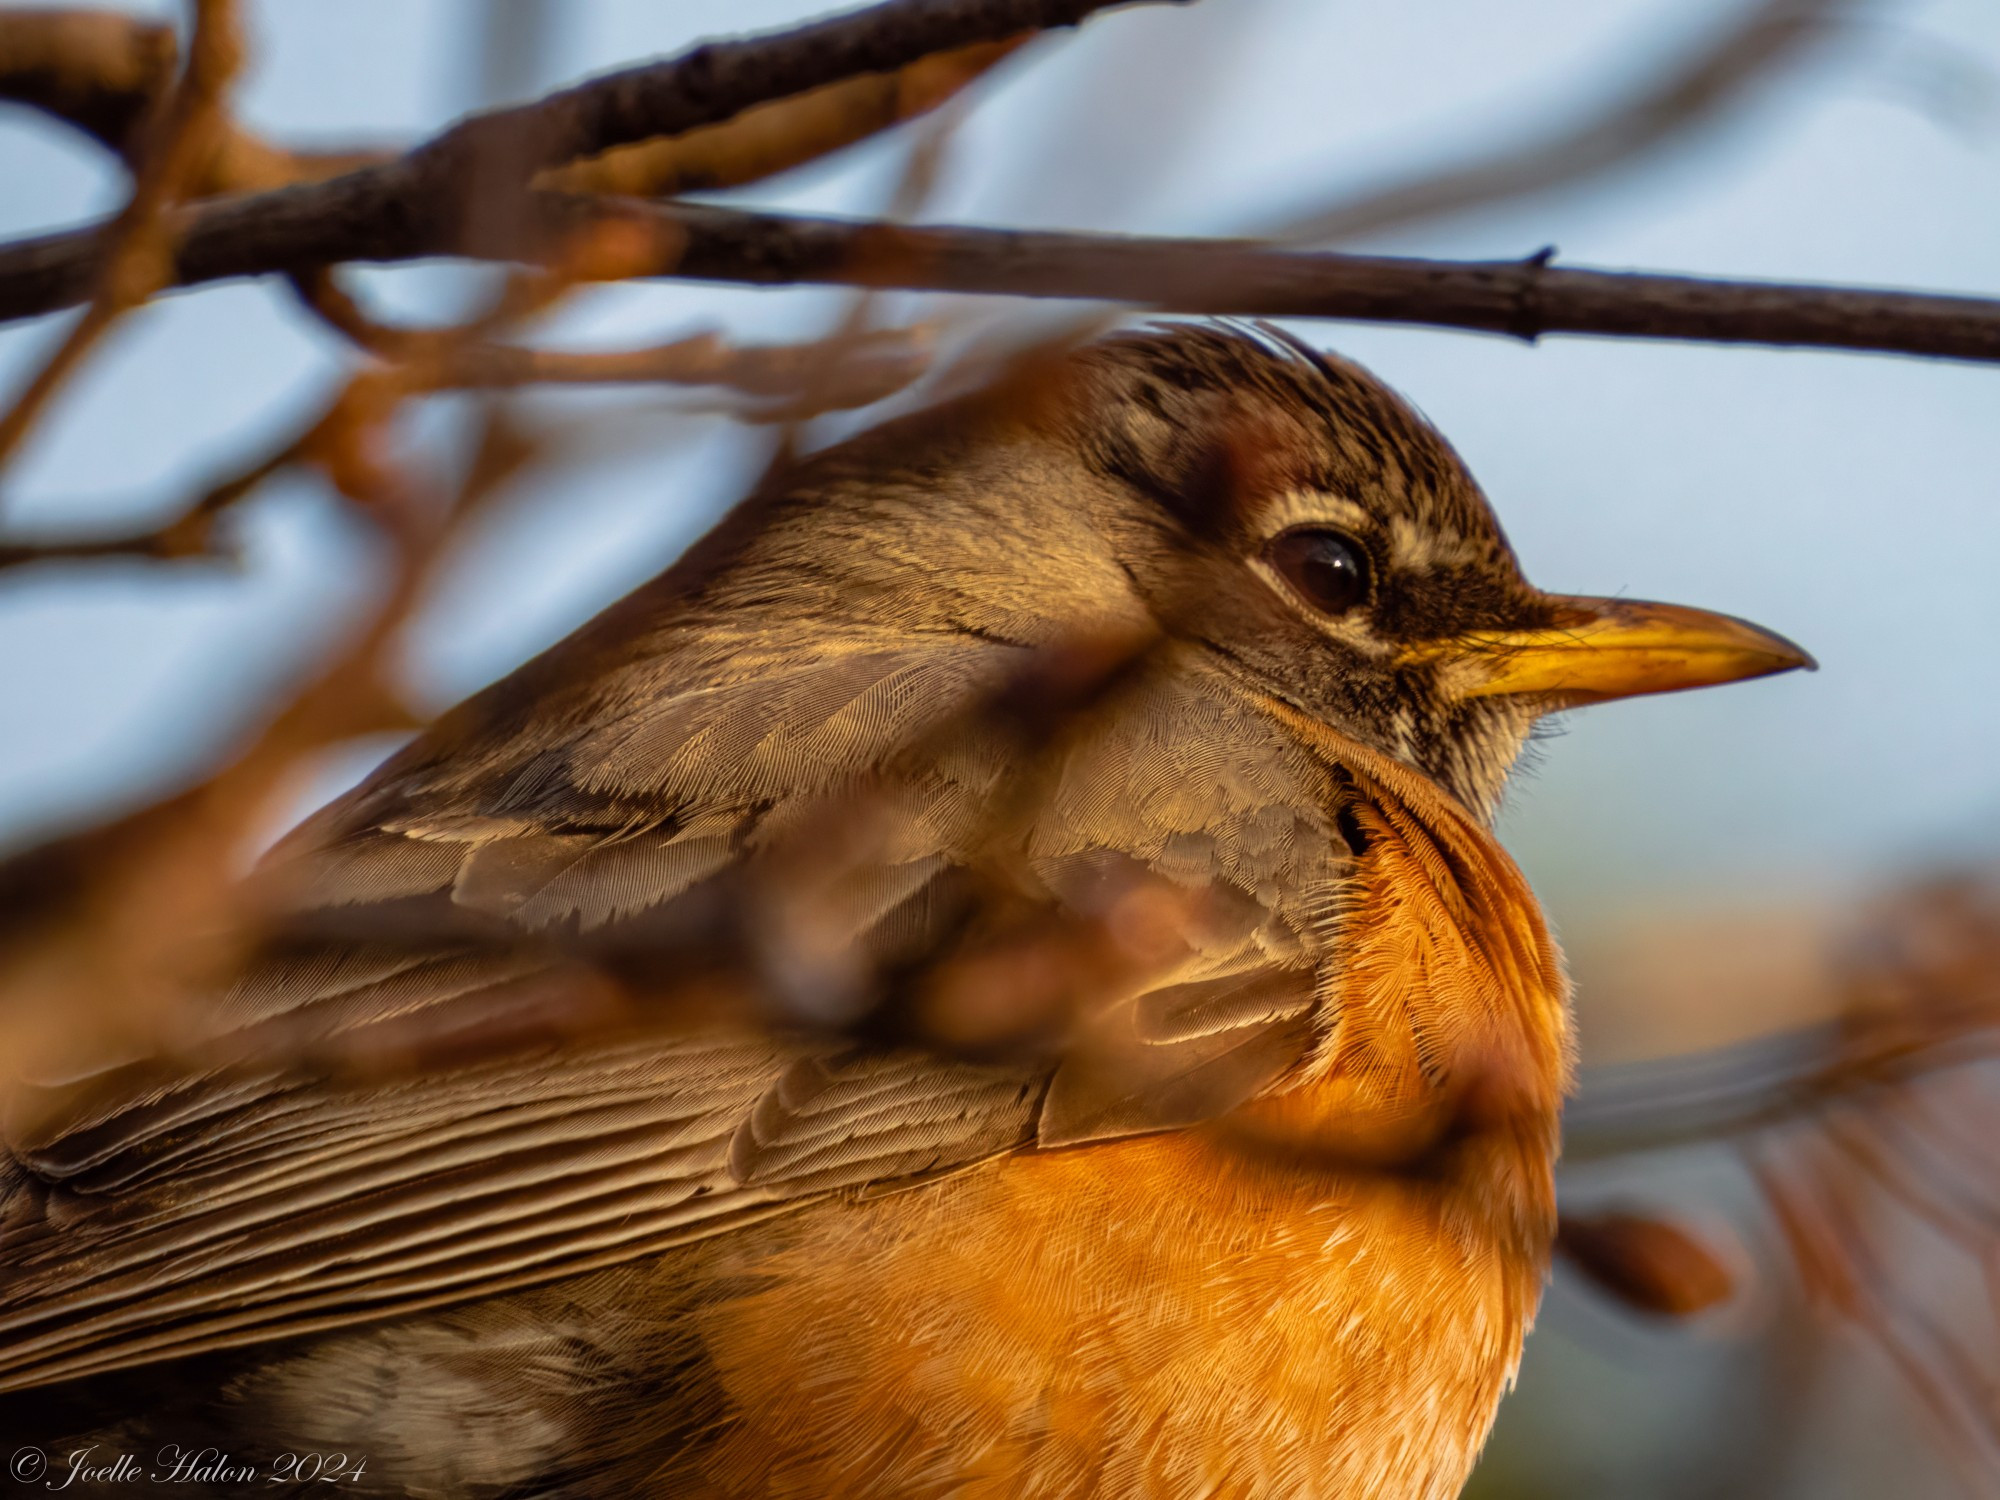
[[1291, 513], [1278, 508]]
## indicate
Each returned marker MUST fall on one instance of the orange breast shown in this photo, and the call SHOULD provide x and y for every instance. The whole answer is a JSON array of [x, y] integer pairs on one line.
[[1167, 1316], [1236, 1310]]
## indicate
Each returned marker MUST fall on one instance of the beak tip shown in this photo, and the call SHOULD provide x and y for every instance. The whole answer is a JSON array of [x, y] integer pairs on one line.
[[1792, 657]]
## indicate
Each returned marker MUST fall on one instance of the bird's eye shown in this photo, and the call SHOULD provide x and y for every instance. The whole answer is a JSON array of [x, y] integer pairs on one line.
[[1327, 570]]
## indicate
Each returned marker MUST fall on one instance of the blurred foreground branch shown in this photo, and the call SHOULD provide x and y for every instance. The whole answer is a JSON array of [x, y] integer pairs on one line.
[[775, 137], [105, 73], [134, 255], [779, 381]]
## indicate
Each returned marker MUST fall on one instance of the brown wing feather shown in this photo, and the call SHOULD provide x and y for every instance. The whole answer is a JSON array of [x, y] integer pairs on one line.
[[148, 1212]]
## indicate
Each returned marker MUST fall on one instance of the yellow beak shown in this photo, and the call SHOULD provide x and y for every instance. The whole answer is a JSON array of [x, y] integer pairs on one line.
[[1611, 648]]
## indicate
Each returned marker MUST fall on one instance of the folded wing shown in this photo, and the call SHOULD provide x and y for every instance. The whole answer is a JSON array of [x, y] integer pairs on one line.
[[156, 1209]]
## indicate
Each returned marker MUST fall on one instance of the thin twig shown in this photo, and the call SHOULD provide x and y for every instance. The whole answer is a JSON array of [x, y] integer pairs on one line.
[[395, 213], [1528, 298], [147, 910]]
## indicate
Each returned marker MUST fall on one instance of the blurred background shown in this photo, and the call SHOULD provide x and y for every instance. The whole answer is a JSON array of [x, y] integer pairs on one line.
[[1704, 858]]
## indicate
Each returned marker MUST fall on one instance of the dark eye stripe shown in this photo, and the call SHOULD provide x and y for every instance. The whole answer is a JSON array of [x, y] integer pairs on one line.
[[1325, 568]]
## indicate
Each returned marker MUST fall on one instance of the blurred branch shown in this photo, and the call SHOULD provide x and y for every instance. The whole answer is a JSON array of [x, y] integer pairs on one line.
[[125, 925], [1751, 48], [1841, 1129], [191, 535], [712, 83], [322, 295], [1662, 1106], [106, 73], [776, 137], [915, 184], [134, 255], [788, 380], [1817, 1215], [119, 922], [1649, 1264], [873, 366], [98, 70], [1918, 996]]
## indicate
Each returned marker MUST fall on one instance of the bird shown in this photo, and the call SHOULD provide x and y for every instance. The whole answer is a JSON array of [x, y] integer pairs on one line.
[[1080, 1033]]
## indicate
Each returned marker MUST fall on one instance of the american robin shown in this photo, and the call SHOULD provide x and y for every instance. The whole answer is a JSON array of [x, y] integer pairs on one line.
[[1267, 1213]]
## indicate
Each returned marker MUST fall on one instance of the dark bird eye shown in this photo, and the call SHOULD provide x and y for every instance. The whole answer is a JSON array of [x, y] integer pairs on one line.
[[1329, 571]]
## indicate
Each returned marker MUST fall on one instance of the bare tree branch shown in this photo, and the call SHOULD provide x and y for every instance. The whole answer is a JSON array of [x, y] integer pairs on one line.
[[1528, 298]]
